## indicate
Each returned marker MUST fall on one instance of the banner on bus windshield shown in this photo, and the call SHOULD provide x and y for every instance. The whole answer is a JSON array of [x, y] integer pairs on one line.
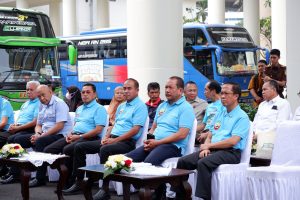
[[90, 70]]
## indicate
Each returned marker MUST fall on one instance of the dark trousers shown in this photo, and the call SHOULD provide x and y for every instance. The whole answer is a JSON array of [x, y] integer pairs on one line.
[[3, 137], [40, 144], [205, 166], [15, 137], [122, 147], [61, 146], [79, 156], [156, 156]]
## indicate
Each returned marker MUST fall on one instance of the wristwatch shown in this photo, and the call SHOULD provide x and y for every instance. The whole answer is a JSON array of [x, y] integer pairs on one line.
[[80, 135]]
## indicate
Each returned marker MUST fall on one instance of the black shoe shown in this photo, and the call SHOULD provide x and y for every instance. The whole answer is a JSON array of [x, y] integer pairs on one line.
[[101, 195], [9, 178], [36, 183], [74, 189]]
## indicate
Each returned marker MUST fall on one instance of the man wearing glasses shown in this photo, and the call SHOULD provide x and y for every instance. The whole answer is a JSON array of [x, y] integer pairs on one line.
[[224, 144], [276, 71], [90, 118]]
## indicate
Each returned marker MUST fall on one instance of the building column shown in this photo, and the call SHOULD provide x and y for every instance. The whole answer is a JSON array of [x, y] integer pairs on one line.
[[100, 14], [54, 13], [216, 11], [251, 19], [154, 46], [292, 46], [279, 28], [69, 17], [22, 4]]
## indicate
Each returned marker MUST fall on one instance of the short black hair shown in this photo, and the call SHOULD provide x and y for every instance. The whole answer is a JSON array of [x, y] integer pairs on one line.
[[236, 88], [274, 85], [179, 81], [135, 82], [153, 86], [214, 85], [190, 82], [263, 61], [275, 52], [92, 85]]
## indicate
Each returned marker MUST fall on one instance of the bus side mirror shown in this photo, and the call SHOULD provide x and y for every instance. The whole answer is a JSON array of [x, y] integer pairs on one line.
[[218, 55], [72, 53]]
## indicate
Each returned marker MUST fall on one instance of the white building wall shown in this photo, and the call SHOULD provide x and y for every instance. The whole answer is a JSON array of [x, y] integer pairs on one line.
[[118, 13]]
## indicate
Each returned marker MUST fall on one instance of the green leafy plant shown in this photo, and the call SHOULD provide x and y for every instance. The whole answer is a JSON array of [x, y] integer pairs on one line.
[[249, 110]]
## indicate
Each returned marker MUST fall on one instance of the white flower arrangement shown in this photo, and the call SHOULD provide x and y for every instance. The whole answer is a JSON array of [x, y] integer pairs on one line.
[[116, 163], [11, 150]]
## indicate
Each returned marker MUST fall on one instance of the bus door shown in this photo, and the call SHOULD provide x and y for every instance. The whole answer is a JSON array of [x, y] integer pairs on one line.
[[199, 66]]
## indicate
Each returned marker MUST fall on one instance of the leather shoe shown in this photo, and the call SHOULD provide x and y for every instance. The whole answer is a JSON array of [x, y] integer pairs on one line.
[[7, 179], [101, 195], [36, 183], [74, 189]]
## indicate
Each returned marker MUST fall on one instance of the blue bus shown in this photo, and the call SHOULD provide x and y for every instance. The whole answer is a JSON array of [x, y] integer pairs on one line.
[[220, 52]]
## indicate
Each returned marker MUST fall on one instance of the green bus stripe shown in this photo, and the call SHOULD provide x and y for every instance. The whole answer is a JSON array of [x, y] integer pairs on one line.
[[28, 41]]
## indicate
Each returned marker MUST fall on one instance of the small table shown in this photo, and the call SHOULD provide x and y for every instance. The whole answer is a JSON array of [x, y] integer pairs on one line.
[[257, 161], [145, 183], [27, 167]]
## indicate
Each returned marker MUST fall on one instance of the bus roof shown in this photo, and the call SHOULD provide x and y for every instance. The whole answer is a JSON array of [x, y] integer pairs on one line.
[[93, 36], [21, 10], [124, 30]]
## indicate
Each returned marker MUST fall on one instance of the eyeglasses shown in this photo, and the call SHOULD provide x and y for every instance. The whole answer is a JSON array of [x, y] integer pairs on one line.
[[226, 93]]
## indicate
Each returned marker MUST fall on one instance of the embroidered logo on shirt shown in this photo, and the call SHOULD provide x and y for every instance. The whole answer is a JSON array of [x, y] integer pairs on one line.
[[161, 111], [217, 125]]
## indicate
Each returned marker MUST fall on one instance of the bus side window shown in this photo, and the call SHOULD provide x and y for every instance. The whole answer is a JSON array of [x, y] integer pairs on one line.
[[200, 38], [188, 37], [204, 63]]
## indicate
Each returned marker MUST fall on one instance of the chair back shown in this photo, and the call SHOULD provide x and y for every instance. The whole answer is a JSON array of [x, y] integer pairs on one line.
[[72, 116], [104, 130], [286, 146], [143, 137], [16, 115], [192, 137], [246, 153]]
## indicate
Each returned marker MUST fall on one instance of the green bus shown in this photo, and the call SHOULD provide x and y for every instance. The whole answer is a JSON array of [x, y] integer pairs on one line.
[[28, 51]]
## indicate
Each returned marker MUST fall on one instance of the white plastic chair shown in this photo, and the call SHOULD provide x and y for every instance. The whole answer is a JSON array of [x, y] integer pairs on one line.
[[117, 186], [229, 180], [91, 159], [280, 180], [172, 162]]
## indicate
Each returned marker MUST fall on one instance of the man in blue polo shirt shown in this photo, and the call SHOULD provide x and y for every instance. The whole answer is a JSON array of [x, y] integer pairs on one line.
[[130, 119], [7, 119], [212, 93], [227, 138], [90, 119], [24, 124], [172, 124]]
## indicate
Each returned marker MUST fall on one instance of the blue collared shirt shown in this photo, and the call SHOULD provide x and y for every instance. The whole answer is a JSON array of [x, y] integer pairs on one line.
[[227, 125], [170, 118], [6, 111], [88, 116], [210, 113], [29, 111], [56, 111], [128, 115]]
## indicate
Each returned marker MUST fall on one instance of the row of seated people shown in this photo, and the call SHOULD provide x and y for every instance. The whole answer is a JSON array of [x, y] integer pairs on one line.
[[173, 121]]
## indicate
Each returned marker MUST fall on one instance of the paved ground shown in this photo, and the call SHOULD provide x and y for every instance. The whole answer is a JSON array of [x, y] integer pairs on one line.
[[13, 192]]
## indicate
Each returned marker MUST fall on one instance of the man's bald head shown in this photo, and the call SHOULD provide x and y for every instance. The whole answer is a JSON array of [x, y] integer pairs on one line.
[[44, 94]]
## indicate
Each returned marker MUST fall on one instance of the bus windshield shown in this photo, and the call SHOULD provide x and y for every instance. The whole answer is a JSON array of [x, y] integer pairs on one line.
[[235, 37], [18, 23], [237, 63], [20, 65]]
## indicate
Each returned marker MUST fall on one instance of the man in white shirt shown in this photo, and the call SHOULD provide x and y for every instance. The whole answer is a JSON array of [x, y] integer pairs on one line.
[[272, 110]]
